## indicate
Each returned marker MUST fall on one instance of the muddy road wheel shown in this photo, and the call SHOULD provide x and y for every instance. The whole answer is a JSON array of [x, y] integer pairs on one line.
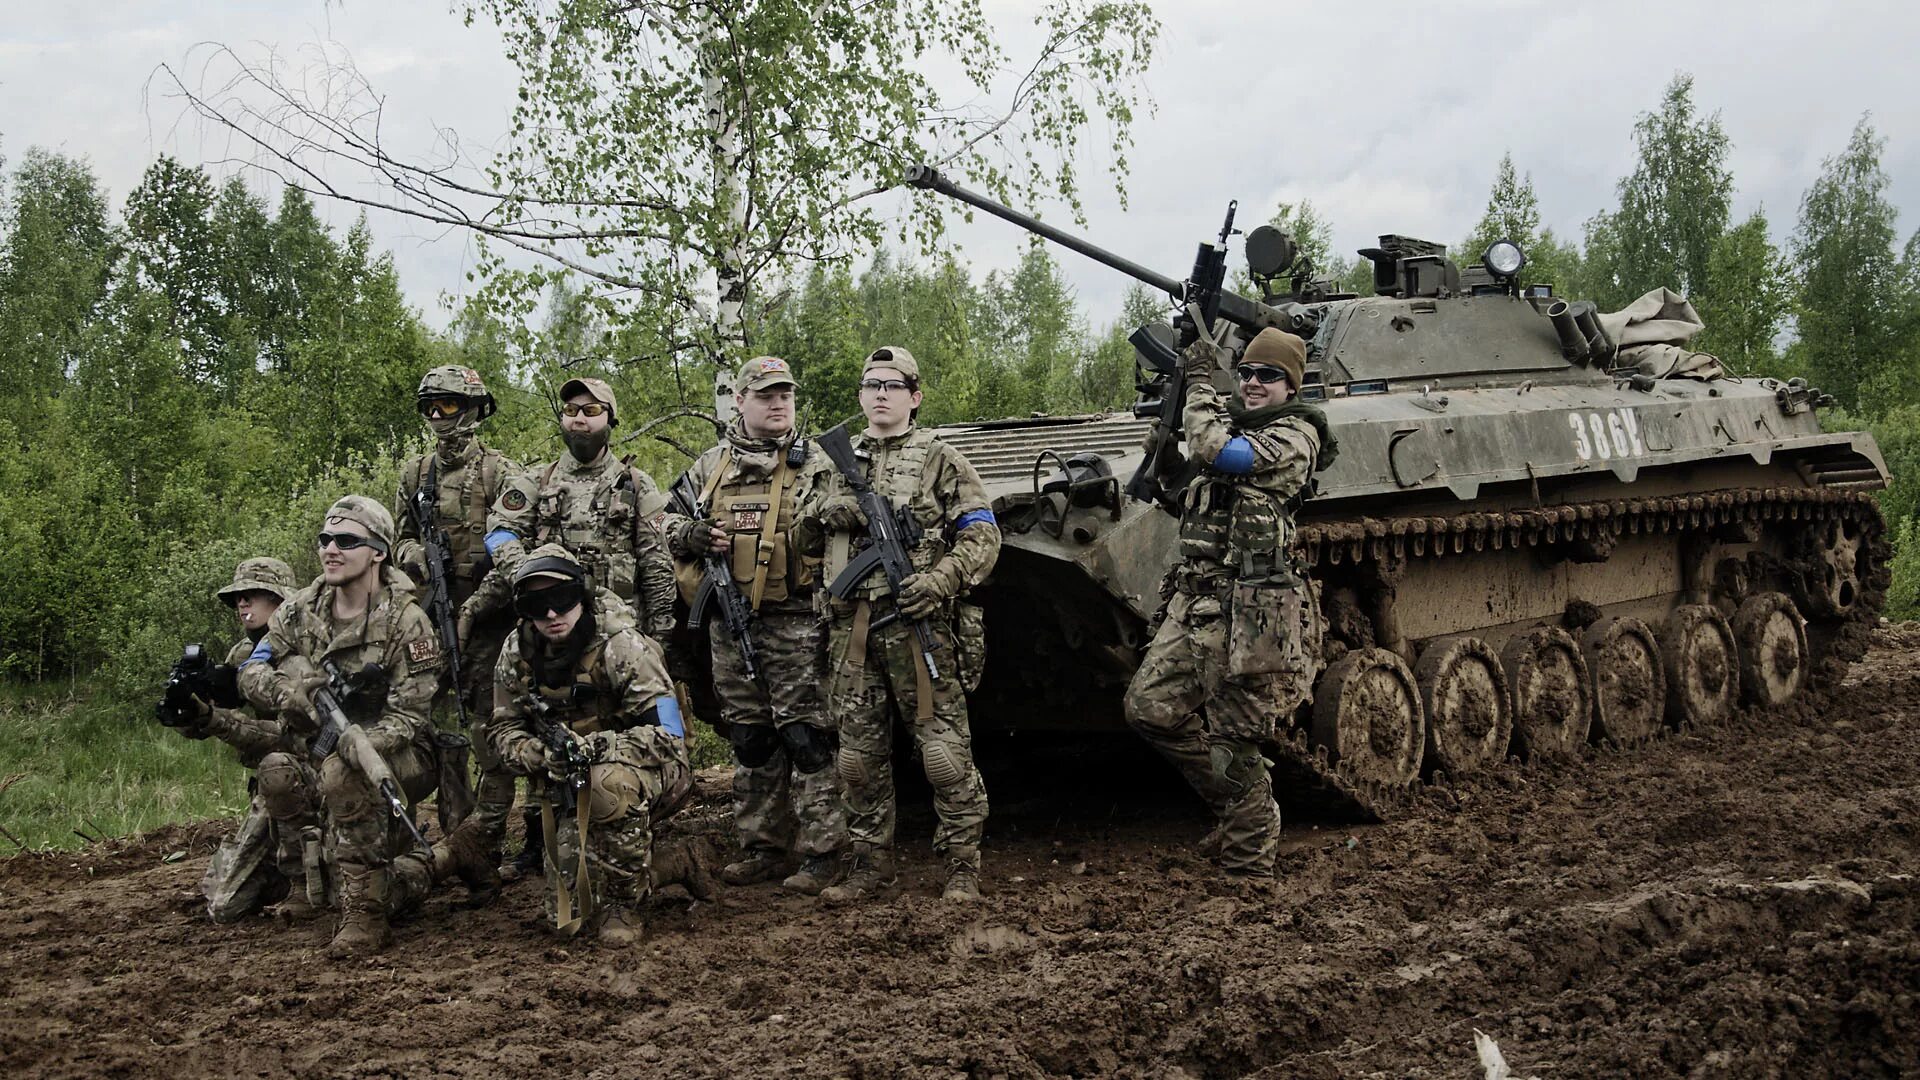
[[1773, 649], [1552, 699], [1463, 690], [1830, 584], [1367, 714], [1629, 683], [1702, 667]]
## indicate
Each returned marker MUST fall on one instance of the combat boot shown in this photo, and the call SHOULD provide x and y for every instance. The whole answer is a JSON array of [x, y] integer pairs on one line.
[[963, 876], [297, 906], [531, 862], [462, 855], [409, 880], [685, 863], [756, 866], [1212, 844], [817, 873], [364, 895], [623, 927], [869, 871]]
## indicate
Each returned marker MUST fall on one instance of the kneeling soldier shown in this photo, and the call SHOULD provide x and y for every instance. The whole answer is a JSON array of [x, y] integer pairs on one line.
[[582, 704]]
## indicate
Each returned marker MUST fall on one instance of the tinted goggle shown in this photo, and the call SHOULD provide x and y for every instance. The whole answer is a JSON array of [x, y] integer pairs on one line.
[[445, 407], [1260, 373], [347, 541], [582, 408], [558, 598]]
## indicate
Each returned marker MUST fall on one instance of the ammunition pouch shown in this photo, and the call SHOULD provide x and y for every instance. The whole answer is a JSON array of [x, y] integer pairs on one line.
[[1271, 629]]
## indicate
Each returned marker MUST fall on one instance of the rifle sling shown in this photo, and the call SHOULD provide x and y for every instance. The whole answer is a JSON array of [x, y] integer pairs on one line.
[[855, 660], [763, 556], [566, 921]]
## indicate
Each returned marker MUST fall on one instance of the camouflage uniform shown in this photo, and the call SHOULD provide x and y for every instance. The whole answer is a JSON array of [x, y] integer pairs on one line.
[[467, 477], [785, 798], [377, 871], [1235, 653], [614, 694], [603, 511], [280, 834], [872, 670]]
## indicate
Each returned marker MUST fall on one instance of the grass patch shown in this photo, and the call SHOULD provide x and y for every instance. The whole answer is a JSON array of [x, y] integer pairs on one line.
[[79, 767]]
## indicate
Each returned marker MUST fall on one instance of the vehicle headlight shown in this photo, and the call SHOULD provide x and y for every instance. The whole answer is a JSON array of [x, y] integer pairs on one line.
[[1504, 258]]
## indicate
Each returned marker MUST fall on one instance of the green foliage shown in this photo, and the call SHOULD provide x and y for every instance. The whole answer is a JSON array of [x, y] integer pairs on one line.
[[1749, 300], [1513, 213]]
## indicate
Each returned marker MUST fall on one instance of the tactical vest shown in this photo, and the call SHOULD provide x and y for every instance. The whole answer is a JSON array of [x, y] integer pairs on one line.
[[586, 704], [462, 507], [598, 529], [1237, 527], [757, 514], [898, 475]]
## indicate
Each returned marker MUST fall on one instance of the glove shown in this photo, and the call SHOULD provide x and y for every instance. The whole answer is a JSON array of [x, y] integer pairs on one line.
[[922, 594], [530, 758], [842, 514], [695, 538], [1202, 358], [599, 745]]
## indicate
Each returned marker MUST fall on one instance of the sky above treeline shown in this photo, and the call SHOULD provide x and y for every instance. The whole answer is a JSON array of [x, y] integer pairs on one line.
[[1389, 117]]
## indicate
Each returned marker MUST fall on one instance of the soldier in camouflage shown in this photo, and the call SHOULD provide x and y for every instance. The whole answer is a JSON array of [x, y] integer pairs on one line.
[[1240, 640], [785, 797], [464, 478], [359, 613], [582, 705], [871, 669], [268, 854]]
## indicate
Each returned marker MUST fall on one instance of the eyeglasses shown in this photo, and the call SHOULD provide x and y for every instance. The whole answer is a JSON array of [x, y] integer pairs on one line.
[[891, 386], [590, 408], [1265, 375], [344, 541], [559, 599], [446, 407]]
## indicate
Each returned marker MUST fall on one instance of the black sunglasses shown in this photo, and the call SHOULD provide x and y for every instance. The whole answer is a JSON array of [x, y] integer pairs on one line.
[[559, 599], [1265, 375], [346, 541]]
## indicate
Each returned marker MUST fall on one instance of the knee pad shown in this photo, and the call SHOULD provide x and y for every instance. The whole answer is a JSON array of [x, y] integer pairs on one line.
[[282, 787], [852, 767], [754, 744], [947, 765], [615, 789], [808, 747], [1238, 765]]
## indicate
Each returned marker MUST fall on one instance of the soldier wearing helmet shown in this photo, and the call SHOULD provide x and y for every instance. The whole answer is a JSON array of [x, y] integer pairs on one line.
[[359, 616], [266, 856], [457, 482], [584, 708]]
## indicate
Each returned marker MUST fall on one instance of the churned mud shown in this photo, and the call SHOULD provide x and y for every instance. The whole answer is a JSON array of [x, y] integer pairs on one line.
[[1732, 902]]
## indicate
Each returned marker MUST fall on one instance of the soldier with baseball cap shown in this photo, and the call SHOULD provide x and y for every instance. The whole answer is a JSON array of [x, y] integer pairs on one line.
[[786, 799]]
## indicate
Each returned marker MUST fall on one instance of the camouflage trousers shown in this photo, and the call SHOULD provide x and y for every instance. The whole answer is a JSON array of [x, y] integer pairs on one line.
[[611, 828], [362, 833], [1209, 725], [779, 805], [493, 793], [867, 684], [270, 846]]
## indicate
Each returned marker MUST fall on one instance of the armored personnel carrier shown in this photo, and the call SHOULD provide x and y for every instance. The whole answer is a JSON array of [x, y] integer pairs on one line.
[[1523, 546]]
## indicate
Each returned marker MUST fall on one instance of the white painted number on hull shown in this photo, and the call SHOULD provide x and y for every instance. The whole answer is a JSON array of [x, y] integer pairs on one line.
[[1611, 434]]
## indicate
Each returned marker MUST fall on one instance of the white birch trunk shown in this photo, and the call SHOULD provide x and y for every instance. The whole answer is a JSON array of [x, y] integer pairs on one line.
[[730, 194]]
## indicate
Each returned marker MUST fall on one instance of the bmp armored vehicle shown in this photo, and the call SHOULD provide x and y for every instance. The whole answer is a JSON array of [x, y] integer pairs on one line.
[[1533, 537]]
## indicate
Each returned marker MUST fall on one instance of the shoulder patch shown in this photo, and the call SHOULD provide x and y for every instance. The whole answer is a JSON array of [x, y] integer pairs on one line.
[[514, 499], [423, 651]]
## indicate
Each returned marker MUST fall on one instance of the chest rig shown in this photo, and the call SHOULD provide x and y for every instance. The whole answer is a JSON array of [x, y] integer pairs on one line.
[[896, 473], [757, 513], [461, 497], [1234, 527], [585, 704], [595, 518]]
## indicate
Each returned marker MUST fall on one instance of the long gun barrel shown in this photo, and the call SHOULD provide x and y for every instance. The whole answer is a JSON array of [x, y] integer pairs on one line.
[[563, 746], [886, 549], [337, 732], [719, 588], [438, 554]]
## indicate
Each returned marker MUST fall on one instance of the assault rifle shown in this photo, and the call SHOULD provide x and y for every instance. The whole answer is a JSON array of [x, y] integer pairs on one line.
[[336, 731], [564, 747], [1166, 393], [190, 679], [437, 553], [889, 536], [718, 587]]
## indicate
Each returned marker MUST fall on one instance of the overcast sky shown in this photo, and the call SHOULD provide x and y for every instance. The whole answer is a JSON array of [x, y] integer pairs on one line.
[[1389, 117]]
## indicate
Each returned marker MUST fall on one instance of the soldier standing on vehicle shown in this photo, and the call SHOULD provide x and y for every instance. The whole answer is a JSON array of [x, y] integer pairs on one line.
[[454, 486], [785, 796], [584, 707], [270, 849], [358, 618], [601, 509], [939, 501], [1241, 637]]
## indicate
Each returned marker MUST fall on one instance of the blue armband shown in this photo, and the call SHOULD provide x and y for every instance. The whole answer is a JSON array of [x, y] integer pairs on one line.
[[975, 517], [1235, 458], [498, 539], [667, 711], [262, 654]]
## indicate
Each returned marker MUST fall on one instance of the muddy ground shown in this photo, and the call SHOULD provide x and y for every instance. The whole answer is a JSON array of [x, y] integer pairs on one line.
[[1733, 902]]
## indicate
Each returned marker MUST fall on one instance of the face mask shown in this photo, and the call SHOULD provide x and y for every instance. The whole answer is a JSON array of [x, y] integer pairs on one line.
[[585, 446]]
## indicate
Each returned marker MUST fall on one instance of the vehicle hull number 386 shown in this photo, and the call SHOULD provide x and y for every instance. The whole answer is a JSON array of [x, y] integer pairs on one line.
[[1614, 433]]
